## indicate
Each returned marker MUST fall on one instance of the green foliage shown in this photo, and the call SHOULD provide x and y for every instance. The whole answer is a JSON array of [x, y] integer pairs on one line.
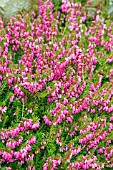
[[57, 3]]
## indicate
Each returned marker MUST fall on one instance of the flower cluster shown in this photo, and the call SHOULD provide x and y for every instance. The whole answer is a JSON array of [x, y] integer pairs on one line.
[[12, 139]]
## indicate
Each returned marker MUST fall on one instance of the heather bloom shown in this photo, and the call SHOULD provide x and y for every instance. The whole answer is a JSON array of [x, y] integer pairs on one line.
[[8, 168], [30, 167], [111, 118], [12, 98], [3, 109], [47, 121], [35, 126], [32, 140]]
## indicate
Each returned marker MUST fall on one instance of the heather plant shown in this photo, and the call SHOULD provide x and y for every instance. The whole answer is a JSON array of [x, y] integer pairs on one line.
[[56, 89]]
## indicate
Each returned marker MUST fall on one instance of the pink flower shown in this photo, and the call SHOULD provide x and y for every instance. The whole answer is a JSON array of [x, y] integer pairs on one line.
[[8, 168], [3, 109], [100, 151], [47, 121], [35, 126], [69, 119], [32, 140], [12, 98], [111, 118]]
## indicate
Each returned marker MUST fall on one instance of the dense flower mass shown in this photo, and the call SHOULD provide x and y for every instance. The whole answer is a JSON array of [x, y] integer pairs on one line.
[[56, 89]]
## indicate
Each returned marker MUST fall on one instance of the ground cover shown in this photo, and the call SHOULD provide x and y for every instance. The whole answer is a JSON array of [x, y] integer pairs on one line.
[[56, 89]]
